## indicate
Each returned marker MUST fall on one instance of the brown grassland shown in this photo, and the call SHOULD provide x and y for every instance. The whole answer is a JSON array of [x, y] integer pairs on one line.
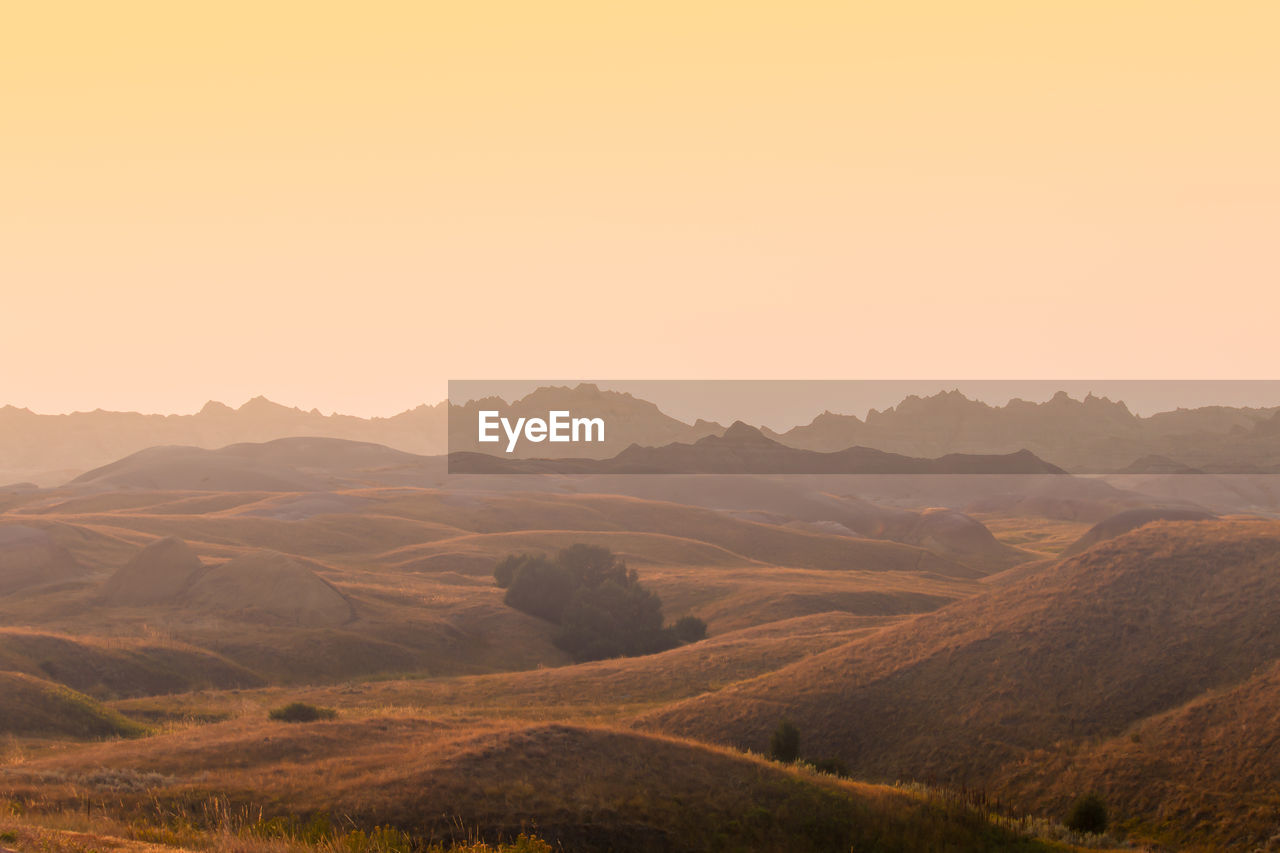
[[975, 690]]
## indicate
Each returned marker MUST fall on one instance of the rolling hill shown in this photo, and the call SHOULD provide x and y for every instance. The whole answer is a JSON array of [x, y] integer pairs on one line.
[[1133, 627], [1123, 522], [1205, 772], [113, 667], [34, 706], [30, 557], [583, 787]]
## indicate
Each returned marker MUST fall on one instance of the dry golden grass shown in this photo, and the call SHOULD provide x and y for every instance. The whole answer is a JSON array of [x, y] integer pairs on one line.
[[1203, 776], [1132, 628], [619, 685], [36, 707], [112, 667], [600, 690], [1044, 536], [586, 787], [452, 703], [417, 566]]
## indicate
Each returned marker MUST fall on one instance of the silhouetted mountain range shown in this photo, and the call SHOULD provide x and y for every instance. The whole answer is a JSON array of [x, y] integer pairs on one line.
[[743, 449], [630, 420], [1093, 435], [285, 464], [51, 449]]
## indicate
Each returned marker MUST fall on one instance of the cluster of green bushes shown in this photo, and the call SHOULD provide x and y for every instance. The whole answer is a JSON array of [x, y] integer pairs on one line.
[[301, 712], [602, 609]]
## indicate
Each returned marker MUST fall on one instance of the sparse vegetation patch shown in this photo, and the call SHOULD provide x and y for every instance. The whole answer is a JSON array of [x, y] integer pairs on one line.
[[301, 712]]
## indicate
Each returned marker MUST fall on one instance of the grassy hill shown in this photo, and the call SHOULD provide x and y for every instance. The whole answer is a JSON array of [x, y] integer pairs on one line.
[[35, 707], [1116, 668], [402, 578], [1204, 774], [585, 787], [118, 667], [1133, 627]]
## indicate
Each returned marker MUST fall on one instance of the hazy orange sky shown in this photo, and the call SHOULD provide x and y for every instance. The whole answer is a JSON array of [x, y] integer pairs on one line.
[[343, 205]]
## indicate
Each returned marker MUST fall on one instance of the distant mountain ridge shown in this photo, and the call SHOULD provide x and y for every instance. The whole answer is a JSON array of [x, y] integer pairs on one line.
[[743, 449], [51, 449], [629, 419], [1093, 435]]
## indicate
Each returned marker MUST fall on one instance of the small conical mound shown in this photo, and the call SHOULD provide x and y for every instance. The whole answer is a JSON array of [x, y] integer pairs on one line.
[[29, 557], [271, 586], [158, 573]]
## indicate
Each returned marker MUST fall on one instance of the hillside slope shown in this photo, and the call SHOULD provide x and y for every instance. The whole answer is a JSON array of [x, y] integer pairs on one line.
[[1130, 628], [585, 787], [1207, 771], [33, 706]]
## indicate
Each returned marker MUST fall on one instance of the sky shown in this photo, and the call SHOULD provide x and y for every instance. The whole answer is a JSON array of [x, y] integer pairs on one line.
[[343, 205]]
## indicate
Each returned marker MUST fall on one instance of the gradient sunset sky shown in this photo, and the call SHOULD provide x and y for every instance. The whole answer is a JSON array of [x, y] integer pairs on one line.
[[343, 205]]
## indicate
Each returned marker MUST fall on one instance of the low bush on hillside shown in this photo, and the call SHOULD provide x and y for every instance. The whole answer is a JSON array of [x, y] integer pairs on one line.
[[602, 609], [784, 747], [690, 629], [832, 767], [1088, 814], [784, 744], [301, 712]]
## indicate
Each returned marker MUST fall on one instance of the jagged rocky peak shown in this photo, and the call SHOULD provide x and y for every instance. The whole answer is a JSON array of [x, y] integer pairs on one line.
[[740, 432], [213, 407], [261, 405]]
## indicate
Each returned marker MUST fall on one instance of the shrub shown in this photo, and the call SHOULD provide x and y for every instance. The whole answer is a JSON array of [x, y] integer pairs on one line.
[[540, 588], [601, 607], [1088, 814], [611, 620], [301, 712], [505, 571], [834, 766], [594, 565], [690, 629], [784, 745]]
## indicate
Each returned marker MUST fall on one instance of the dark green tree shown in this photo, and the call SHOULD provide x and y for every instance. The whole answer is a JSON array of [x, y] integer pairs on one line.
[[784, 745], [601, 607], [507, 567], [593, 565], [1088, 814], [541, 588], [690, 629], [612, 620]]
